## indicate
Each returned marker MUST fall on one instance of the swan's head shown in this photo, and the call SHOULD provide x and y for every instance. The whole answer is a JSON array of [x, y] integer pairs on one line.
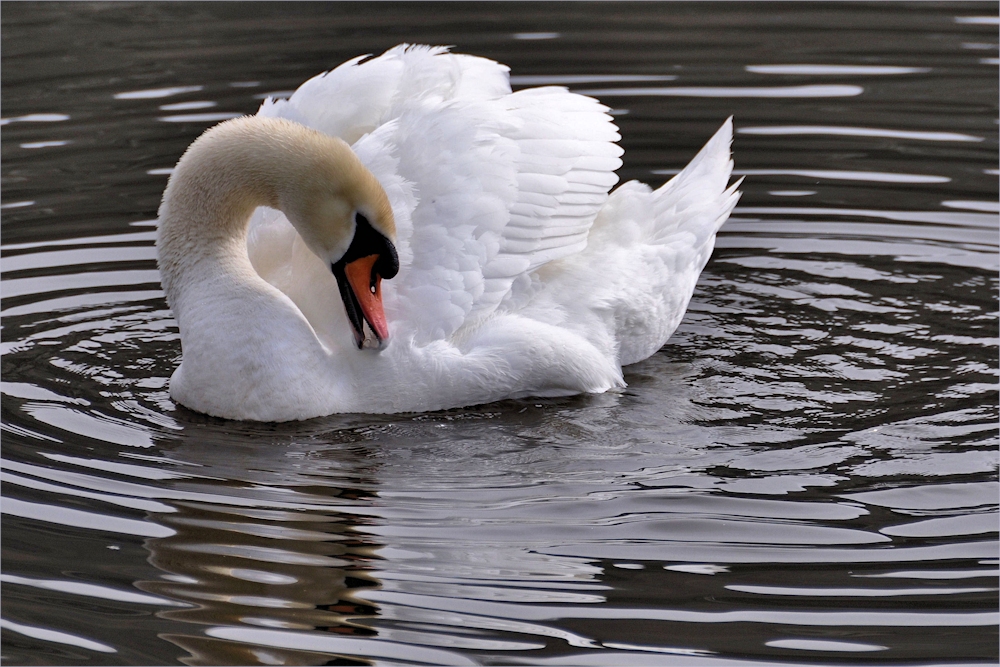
[[344, 216]]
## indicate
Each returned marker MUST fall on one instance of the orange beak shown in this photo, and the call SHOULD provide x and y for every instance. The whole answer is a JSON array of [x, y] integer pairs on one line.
[[366, 285]]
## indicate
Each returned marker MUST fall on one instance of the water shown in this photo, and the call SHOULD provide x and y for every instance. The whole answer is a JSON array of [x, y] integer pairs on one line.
[[806, 473]]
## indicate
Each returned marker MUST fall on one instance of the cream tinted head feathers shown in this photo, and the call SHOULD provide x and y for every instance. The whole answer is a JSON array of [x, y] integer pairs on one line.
[[342, 213], [334, 202], [330, 188]]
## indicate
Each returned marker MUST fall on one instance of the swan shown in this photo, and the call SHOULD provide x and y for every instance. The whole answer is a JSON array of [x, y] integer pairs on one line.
[[405, 234]]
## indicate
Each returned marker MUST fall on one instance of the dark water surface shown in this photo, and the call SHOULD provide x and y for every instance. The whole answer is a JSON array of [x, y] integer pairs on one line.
[[806, 473]]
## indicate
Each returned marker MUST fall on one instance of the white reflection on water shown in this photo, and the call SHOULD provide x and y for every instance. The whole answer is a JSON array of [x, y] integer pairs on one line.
[[852, 592], [835, 70], [142, 472], [156, 93], [937, 217], [60, 303], [122, 501], [791, 193], [90, 590], [148, 237], [324, 642], [77, 256], [978, 20], [697, 568], [985, 206], [137, 490], [824, 645], [200, 117], [932, 497], [91, 424], [66, 516], [535, 35], [972, 524], [888, 618], [746, 554], [568, 79], [36, 118], [46, 144], [869, 176], [187, 106], [931, 574], [672, 650], [55, 636], [723, 92], [843, 131], [85, 280]]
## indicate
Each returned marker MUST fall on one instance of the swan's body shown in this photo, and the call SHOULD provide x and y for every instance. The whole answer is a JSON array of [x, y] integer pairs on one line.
[[518, 274]]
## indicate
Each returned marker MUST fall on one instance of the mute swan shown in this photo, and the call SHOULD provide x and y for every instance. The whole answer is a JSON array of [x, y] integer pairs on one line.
[[513, 272]]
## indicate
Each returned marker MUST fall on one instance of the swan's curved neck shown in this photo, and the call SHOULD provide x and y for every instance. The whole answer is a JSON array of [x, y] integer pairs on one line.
[[228, 172], [248, 349]]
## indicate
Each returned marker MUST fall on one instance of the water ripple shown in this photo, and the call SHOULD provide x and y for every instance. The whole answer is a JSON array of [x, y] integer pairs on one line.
[[811, 460], [845, 131], [55, 636], [157, 93], [835, 70], [812, 91]]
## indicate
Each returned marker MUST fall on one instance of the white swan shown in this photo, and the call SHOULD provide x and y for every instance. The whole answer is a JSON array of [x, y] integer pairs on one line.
[[518, 275]]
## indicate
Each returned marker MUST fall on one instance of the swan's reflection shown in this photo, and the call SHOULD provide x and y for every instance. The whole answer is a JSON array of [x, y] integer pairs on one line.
[[422, 538], [300, 530], [279, 557]]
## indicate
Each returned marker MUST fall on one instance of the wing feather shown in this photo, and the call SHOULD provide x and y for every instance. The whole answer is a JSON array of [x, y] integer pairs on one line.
[[487, 185]]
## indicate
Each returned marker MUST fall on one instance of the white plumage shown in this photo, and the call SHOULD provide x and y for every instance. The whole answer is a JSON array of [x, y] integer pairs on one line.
[[519, 274]]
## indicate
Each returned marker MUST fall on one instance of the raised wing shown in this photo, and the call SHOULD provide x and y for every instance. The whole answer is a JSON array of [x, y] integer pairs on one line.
[[500, 186], [486, 185], [364, 93]]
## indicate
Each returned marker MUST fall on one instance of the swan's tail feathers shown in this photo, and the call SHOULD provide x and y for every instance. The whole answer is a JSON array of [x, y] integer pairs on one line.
[[648, 247], [697, 200]]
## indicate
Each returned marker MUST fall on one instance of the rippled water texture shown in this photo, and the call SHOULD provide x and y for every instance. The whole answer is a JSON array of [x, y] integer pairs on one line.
[[806, 473]]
